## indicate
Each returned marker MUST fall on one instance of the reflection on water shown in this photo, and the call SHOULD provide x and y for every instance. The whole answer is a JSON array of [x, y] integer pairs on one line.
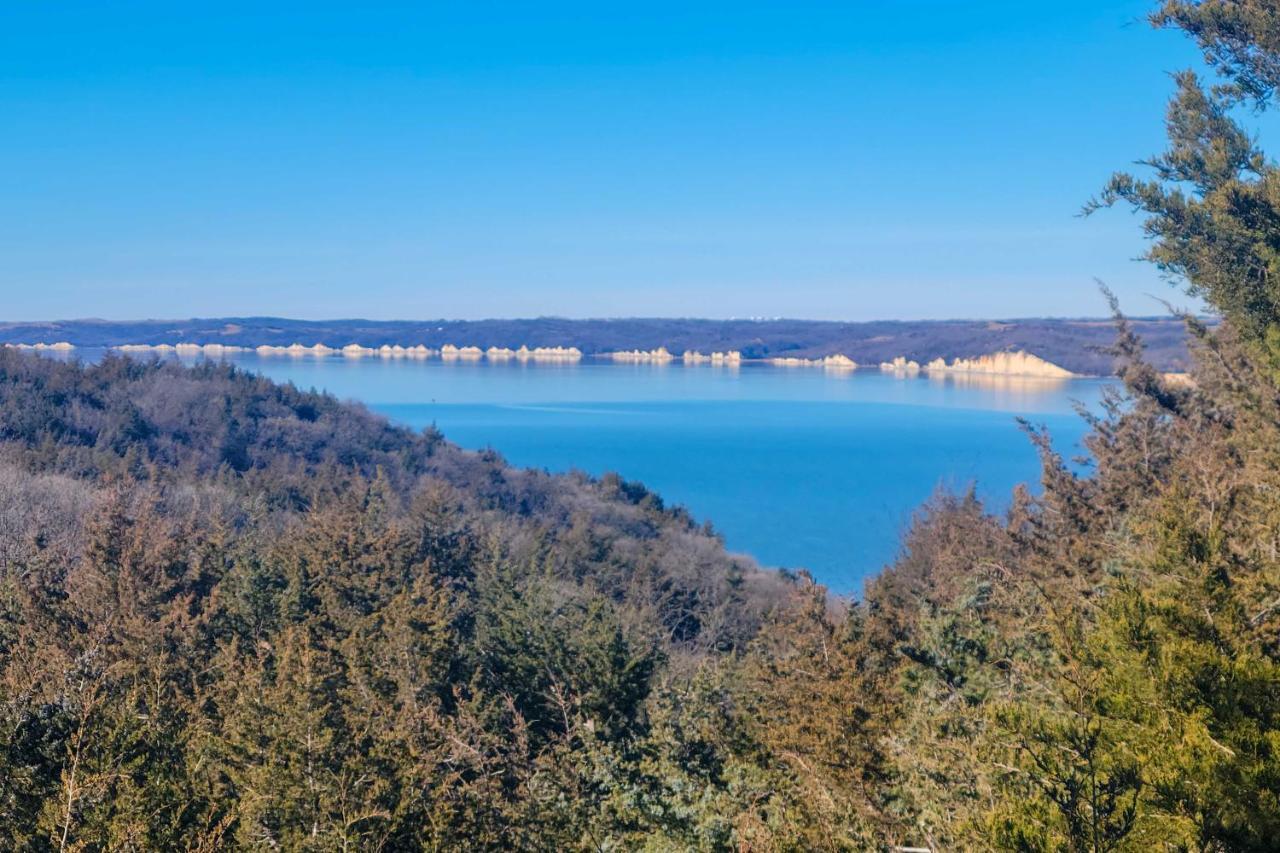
[[1008, 392], [463, 381]]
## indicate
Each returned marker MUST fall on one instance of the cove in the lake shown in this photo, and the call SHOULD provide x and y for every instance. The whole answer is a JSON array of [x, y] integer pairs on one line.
[[800, 469]]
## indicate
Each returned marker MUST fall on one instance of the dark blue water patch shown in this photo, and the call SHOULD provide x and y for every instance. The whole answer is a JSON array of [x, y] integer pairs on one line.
[[819, 485]]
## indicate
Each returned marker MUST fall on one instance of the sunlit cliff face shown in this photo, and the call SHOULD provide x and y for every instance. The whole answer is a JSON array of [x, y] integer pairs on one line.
[[1002, 364]]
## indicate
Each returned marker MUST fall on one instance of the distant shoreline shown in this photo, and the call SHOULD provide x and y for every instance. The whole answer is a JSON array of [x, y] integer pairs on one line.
[[1037, 347], [1010, 364]]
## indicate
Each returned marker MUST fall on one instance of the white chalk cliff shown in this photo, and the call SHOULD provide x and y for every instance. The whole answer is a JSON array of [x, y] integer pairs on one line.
[[60, 346], [831, 362], [1002, 364], [900, 366], [448, 352], [636, 356], [549, 354], [694, 357]]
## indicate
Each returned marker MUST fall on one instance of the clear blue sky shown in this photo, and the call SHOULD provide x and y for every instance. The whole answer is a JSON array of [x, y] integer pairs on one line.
[[844, 160]]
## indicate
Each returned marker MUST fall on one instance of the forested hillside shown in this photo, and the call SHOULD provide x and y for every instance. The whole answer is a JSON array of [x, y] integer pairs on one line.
[[238, 616], [235, 613]]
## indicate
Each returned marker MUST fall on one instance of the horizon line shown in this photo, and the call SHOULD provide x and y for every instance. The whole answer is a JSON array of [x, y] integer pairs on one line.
[[633, 318]]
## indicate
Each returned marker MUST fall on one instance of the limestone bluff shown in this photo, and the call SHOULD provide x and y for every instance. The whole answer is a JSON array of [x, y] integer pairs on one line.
[[1019, 363]]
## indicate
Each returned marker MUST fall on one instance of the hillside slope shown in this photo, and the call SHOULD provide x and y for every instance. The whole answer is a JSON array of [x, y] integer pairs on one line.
[[233, 614]]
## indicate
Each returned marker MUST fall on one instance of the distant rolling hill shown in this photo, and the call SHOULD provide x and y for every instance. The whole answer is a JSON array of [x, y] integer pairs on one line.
[[1074, 344]]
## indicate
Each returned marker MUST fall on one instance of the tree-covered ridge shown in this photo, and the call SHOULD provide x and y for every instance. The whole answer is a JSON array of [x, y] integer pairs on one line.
[[159, 425]]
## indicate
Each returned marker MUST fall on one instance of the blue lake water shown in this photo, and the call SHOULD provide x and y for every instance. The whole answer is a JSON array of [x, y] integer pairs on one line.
[[797, 467]]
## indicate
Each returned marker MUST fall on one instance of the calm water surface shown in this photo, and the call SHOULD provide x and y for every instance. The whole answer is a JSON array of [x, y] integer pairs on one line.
[[796, 467]]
